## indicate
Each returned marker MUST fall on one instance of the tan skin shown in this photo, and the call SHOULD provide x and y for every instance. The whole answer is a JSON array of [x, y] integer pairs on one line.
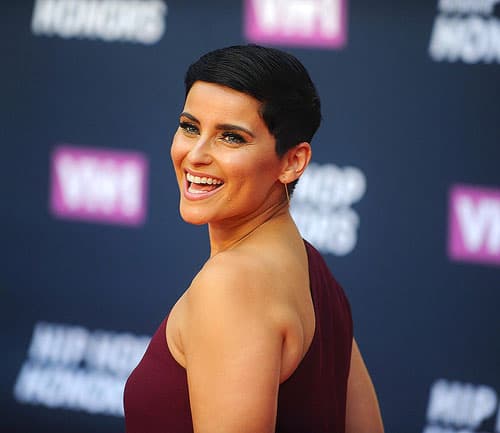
[[247, 319]]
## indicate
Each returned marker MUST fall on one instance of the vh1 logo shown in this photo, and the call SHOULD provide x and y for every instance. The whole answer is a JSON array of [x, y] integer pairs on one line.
[[98, 185], [474, 230], [310, 23]]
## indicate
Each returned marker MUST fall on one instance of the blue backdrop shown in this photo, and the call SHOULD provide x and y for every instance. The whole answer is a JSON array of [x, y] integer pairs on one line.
[[403, 197]]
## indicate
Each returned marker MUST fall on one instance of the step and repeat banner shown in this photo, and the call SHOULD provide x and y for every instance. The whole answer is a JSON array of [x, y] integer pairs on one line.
[[402, 197]]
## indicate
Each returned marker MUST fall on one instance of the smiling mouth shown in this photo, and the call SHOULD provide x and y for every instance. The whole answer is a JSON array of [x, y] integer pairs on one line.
[[201, 185]]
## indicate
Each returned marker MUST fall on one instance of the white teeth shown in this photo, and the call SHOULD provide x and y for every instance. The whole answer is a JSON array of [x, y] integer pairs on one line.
[[203, 180]]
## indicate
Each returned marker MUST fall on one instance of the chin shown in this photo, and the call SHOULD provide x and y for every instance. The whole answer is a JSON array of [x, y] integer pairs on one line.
[[192, 216]]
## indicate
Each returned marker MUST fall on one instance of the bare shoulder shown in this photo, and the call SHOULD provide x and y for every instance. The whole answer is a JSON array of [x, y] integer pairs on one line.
[[227, 268], [241, 335], [216, 301], [250, 295], [232, 347], [251, 281], [234, 281]]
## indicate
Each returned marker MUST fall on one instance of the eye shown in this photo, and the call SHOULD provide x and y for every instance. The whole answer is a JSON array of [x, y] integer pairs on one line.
[[233, 138], [189, 128]]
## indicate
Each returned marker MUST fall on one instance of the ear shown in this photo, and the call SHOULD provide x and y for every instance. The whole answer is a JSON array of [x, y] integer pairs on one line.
[[295, 162]]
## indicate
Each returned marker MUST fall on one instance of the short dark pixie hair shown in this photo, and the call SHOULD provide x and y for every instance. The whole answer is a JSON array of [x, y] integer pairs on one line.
[[291, 107]]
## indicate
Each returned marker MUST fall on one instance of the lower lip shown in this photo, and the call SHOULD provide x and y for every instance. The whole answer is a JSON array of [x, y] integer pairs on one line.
[[198, 196]]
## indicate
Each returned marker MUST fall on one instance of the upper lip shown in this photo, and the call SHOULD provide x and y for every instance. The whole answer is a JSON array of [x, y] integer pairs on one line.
[[200, 174]]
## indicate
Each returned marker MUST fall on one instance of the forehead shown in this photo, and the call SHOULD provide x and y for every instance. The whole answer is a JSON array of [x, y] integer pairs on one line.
[[207, 101]]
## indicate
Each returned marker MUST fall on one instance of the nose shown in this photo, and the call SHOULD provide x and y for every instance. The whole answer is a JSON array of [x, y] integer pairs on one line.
[[199, 153]]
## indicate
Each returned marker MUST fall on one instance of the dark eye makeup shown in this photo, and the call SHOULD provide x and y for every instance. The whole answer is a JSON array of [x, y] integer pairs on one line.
[[188, 127], [233, 138]]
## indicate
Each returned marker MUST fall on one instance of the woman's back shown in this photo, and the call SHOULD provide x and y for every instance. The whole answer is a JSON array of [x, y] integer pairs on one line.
[[311, 399]]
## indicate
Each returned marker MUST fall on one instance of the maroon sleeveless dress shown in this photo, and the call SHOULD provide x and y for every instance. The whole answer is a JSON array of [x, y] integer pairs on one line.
[[313, 399]]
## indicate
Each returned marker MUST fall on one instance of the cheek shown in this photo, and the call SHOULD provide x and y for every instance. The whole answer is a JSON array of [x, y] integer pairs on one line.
[[267, 166], [178, 150], [241, 169], [254, 171]]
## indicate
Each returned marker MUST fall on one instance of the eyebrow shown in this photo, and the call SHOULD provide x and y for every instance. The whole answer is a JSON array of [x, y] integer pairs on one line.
[[221, 126]]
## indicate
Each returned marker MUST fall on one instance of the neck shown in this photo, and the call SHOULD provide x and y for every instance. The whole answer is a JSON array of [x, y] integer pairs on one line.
[[224, 235]]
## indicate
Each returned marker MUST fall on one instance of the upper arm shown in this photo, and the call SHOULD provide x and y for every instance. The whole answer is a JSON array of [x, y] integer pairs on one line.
[[362, 411], [233, 357]]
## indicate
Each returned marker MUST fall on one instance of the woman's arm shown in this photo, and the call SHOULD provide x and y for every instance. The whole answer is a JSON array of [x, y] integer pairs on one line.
[[363, 413], [233, 350]]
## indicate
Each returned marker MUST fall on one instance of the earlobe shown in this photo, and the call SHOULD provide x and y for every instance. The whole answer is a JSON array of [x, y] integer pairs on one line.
[[296, 161]]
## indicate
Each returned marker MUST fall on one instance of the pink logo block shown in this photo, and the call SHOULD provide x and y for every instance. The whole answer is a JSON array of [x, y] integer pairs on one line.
[[98, 185], [310, 23], [474, 230]]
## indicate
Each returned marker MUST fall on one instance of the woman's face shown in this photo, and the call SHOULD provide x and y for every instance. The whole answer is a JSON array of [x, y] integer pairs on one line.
[[224, 157]]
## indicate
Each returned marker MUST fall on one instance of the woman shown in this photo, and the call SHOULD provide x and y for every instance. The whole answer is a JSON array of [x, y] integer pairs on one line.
[[261, 341]]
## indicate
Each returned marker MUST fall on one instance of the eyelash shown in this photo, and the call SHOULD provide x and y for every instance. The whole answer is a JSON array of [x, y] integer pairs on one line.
[[232, 138], [188, 128], [228, 137]]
